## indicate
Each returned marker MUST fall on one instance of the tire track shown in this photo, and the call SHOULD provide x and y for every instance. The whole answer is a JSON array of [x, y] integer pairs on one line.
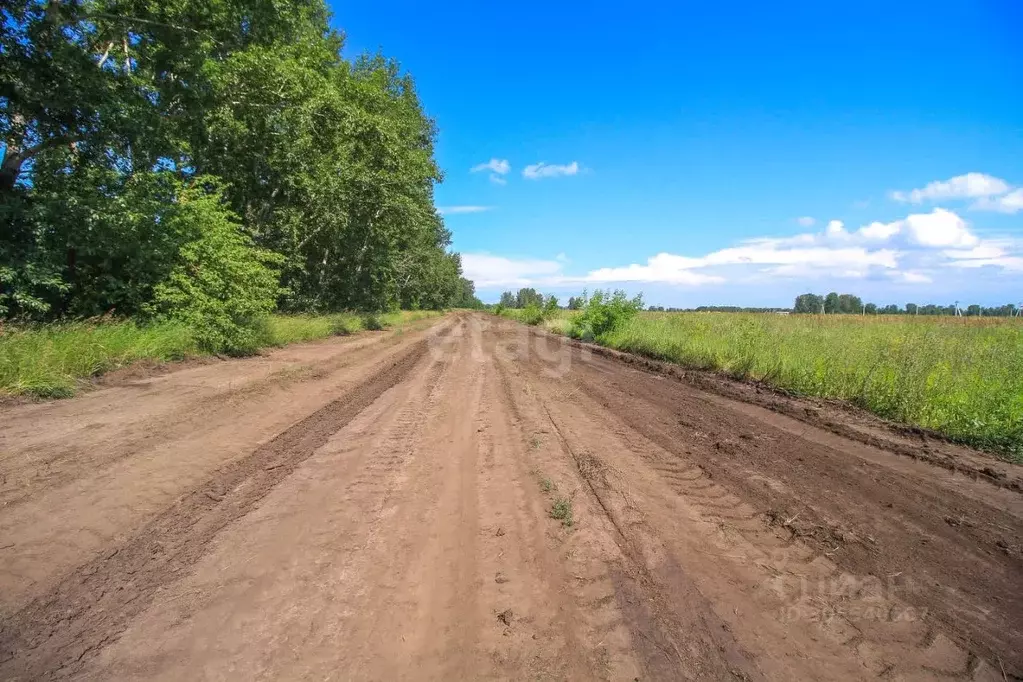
[[654, 620], [795, 584], [53, 464], [56, 632]]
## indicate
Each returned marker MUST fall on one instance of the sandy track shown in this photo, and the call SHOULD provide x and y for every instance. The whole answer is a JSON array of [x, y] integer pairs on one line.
[[378, 507]]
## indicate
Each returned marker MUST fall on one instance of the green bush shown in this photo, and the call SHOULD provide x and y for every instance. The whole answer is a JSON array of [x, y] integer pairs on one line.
[[603, 313], [532, 314], [222, 286]]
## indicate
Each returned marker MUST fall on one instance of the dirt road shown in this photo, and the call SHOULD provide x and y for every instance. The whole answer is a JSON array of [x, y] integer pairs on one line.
[[383, 507]]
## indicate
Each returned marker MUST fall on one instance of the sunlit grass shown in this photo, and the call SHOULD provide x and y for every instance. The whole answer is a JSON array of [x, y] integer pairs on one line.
[[962, 377], [52, 360], [49, 360]]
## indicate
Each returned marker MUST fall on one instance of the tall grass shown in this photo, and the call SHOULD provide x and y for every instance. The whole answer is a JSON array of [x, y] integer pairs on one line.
[[52, 360], [962, 377], [49, 360]]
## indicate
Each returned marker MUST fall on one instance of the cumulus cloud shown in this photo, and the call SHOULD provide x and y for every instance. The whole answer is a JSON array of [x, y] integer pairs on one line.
[[968, 186], [806, 221], [780, 258], [836, 229], [1011, 263], [989, 249], [542, 169], [913, 277], [1008, 203], [910, 251], [1005, 254], [938, 229], [498, 166], [492, 271], [453, 210], [664, 267]]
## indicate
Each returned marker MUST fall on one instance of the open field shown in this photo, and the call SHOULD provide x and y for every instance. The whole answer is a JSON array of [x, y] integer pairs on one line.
[[962, 377], [53, 360], [475, 499]]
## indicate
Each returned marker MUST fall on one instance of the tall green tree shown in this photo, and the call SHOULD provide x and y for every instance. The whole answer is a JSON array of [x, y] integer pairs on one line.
[[112, 110]]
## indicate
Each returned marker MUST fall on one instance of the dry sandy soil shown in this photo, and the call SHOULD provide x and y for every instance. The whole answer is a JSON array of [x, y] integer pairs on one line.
[[379, 508]]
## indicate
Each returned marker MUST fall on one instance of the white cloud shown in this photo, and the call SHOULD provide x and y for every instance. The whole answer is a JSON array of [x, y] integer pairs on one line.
[[497, 179], [939, 228], [912, 277], [492, 271], [806, 221], [907, 251], [542, 169], [876, 231], [836, 230], [1008, 203], [453, 210], [664, 267], [968, 186], [1013, 263], [984, 250], [787, 262], [499, 166]]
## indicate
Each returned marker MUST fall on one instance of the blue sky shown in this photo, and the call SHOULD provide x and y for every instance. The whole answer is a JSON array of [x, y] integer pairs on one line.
[[705, 153]]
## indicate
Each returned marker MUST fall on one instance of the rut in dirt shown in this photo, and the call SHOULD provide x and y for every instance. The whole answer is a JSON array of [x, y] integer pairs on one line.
[[404, 527], [89, 609]]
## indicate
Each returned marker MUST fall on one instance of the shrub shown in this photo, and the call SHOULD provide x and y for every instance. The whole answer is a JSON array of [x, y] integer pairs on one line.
[[603, 313], [222, 286], [372, 322], [532, 314]]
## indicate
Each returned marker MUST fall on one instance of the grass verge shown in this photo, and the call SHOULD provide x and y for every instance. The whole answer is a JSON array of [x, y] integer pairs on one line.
[[52, 361], [960, 377]]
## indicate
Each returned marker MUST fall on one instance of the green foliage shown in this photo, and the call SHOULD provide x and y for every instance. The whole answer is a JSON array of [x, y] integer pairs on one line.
[[221, 286], [836, 303], [532, 314], [604, 313], [963, 378], [50, 360], [112, 110], [561, 510]]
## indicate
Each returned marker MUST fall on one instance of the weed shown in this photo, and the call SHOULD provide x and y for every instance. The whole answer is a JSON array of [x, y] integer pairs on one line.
[[561, 510], [547, 485], [372, 323]]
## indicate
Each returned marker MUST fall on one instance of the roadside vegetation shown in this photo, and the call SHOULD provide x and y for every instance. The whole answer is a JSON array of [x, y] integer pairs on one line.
[[54, 360], [959, 376], [191, 171]]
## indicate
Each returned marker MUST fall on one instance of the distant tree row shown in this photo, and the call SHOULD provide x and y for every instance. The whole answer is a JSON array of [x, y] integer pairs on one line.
[[716, 309], [848, 304], [523, 298]]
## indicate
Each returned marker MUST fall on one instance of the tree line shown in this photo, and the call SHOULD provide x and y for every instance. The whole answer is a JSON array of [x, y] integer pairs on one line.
[[528, 296], [848, 304], [212, 161], [716, 309]]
